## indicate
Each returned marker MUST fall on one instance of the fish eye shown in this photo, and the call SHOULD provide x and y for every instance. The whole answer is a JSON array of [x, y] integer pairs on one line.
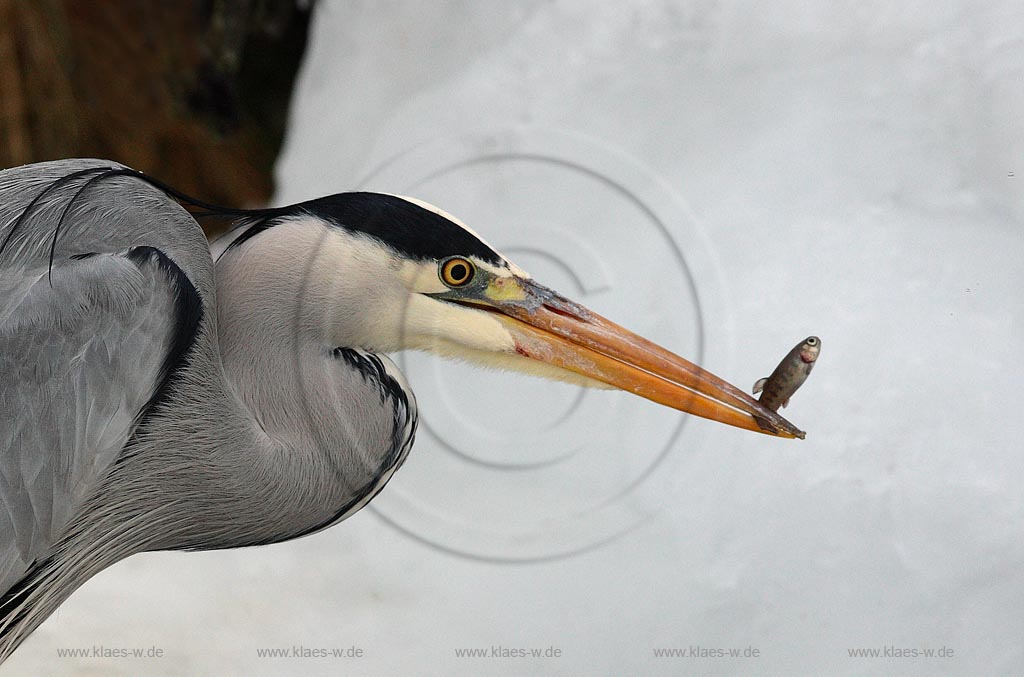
[[812, 341], [457, 271]]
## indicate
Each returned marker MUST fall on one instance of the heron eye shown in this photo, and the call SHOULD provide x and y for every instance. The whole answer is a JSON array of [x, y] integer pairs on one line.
[[456, 272]]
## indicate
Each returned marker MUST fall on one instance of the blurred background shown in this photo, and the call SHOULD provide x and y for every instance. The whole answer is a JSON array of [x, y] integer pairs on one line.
[[722, 178], [195, 92]]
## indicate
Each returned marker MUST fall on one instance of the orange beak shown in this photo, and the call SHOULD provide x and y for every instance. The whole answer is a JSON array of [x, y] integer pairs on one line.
[[549, 327]]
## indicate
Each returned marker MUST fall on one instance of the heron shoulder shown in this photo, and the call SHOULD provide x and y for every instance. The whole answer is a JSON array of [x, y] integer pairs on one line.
[[104, 288], [85, 362]]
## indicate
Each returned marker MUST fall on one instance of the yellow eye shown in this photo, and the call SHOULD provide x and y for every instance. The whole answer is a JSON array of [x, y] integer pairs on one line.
[[456, 272]]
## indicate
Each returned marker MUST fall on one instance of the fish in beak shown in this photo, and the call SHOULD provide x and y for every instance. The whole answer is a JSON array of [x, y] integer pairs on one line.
[[550, 328], [791, 373]]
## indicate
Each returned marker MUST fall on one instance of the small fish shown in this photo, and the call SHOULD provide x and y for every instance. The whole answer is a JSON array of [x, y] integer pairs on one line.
[[789, 375]]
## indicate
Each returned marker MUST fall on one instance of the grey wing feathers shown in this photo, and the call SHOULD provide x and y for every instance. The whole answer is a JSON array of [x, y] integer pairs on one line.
[[79, 362], [83, 350]]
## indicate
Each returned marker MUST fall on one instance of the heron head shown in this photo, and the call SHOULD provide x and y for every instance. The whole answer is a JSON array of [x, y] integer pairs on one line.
[[398, 273]]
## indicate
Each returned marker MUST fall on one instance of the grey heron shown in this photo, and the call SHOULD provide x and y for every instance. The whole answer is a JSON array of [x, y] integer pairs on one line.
[[155, 395]]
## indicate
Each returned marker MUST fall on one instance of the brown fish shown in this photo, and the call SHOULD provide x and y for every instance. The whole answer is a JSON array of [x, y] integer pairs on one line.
[[789, 375]]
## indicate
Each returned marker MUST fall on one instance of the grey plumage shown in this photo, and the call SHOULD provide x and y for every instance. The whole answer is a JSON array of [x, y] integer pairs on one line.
[[88, 476]]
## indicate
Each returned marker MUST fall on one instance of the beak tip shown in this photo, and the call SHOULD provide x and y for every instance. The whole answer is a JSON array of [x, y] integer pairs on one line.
[[770, 428]]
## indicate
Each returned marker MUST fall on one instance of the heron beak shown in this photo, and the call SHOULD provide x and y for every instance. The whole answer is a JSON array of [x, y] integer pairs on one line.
[[549, 327]]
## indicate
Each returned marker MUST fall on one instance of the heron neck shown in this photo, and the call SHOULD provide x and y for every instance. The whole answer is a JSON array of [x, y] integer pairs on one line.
[[269, 437], [320, 434]]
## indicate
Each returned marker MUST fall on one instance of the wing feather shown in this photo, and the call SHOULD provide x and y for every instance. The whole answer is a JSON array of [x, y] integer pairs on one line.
[[85, 347], [84, 357]]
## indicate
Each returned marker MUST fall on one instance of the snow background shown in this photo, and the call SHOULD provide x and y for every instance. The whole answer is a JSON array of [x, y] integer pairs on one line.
[[853, 171]]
